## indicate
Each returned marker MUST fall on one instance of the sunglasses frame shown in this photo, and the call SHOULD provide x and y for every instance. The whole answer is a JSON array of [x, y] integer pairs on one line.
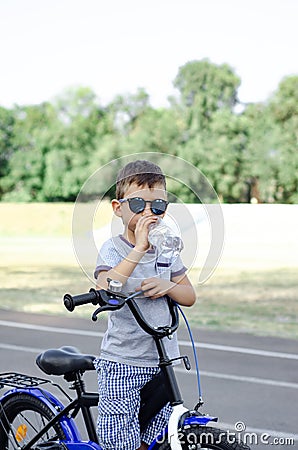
[[129, 200]]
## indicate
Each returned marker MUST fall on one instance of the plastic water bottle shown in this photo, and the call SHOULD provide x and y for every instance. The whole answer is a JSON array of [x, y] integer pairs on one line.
[[163, 238]]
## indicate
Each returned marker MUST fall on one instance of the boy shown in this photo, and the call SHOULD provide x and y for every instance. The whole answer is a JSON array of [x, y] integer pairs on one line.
[[128, 358]]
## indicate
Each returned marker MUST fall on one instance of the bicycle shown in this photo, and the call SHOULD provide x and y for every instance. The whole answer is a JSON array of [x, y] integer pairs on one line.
[[32, 418]]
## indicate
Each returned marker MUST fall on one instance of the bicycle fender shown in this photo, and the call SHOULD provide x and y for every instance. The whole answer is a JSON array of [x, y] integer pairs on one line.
[[67, 424], [198, 420], [82, 445]]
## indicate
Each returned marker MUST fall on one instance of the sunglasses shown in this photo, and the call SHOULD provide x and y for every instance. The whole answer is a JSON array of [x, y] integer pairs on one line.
[[138, 204]]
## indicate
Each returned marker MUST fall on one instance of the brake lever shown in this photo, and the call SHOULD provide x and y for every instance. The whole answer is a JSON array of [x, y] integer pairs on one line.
[[112, 303], [98, 311]]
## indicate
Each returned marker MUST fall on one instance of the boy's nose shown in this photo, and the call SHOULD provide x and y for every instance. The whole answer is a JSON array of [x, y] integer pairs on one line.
[[147, 211]]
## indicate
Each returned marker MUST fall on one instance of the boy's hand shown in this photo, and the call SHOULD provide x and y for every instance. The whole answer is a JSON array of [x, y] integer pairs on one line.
[[141, 232], [156, 287]]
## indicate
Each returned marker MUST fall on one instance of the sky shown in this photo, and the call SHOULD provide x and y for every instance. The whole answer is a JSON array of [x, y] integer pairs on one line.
[[116, 46]]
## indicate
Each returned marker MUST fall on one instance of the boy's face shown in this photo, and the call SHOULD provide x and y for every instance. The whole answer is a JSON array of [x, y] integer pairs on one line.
[[130, 218]]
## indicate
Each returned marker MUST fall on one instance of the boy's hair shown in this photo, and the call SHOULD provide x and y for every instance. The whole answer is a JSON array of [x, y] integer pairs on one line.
[[140, 172]]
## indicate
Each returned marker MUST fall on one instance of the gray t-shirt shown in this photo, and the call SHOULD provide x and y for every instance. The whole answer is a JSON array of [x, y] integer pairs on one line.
[[124, 340]]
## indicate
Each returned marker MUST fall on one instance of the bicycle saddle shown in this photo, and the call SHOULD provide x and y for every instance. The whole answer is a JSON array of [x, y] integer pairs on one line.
[[64, 360]]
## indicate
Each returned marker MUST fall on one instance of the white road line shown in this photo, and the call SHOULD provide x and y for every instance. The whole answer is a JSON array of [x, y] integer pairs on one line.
[[259, 431], [30, 326], [96, 334], [218, 375], [247, 351], [231, 377], [21, 348]]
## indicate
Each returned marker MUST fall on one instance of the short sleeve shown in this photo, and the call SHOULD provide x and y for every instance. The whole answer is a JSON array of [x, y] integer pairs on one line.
[[108, 257], [177, 267], [170, 266]]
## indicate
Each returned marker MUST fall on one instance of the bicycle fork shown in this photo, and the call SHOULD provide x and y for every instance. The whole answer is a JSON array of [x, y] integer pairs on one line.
[[180, 416]]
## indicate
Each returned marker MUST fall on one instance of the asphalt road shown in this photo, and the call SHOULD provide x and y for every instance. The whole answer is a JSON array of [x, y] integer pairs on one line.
[[246, 380]]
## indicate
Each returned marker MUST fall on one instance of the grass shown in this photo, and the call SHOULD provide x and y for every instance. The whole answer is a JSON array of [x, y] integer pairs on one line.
[[258, 302], [44, 219], [40, 288], [38, 266], [262, 303]]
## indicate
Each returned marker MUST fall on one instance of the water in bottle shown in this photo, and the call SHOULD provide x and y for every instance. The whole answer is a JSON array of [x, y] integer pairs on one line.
[[164, 239]]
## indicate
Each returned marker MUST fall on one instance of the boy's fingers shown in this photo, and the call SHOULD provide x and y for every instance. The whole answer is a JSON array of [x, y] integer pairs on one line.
[[148, 280]]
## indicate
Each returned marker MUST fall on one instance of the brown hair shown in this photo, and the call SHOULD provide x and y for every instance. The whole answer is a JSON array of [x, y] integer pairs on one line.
[[140, 172]]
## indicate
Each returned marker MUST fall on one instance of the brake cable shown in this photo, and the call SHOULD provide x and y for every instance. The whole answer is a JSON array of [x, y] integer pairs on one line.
[[201, 402]]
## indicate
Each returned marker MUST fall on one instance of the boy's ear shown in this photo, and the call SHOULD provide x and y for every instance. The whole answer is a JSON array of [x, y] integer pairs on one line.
[[116, 205]]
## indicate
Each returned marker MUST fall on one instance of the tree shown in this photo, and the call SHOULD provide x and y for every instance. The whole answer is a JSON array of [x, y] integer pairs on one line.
[[82, 123], [7, 120], [219, 153], [48, 151], [204, 89], [26, 164], [126, 109], [75, 102], [157, 130], [261, 160], [283, 108]]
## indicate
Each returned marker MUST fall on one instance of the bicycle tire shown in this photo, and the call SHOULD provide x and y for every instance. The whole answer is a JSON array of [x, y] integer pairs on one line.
[[209, 438], [21, 417]]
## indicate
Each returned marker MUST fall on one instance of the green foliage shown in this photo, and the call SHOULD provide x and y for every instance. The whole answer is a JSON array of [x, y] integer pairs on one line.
[[7, 122], [48, 151], [127, 109], [284, 109], [206, 88]]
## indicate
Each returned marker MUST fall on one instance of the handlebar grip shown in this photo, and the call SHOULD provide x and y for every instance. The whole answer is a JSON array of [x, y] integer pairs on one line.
[[70, 302]]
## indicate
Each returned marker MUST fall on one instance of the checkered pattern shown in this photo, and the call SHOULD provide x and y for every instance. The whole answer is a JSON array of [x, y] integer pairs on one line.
[[119, 404]]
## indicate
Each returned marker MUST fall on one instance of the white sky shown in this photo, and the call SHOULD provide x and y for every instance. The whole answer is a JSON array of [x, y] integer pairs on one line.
[[116, 46]]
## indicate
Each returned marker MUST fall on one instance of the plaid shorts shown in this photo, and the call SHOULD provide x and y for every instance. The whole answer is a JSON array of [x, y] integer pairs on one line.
[[119, 403]]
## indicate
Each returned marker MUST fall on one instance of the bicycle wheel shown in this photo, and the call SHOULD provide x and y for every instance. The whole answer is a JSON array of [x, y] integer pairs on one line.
[[21, 417], [202, 437]]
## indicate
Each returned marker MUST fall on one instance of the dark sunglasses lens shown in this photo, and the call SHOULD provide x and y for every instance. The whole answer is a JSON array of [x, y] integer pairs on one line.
[[137, 205], [158, 207]]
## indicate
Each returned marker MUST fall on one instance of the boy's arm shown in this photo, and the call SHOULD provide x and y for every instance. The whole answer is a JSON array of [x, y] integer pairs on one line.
[[182, 291], [122, 271]]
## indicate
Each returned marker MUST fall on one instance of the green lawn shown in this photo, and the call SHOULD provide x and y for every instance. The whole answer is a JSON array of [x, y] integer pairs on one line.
[[43, 219]]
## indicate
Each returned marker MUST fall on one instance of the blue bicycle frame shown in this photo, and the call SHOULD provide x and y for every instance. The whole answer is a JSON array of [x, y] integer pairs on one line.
[[73, 437], [68, 425]]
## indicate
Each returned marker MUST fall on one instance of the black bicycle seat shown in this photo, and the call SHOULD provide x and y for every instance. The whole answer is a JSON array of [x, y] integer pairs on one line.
[[60, 361]]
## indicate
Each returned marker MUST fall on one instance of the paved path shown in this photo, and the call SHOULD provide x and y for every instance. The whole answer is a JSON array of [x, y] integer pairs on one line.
[[248, 379]]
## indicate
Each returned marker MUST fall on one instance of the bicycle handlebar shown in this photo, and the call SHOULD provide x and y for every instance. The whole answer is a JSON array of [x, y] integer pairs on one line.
[[70, 302], [111, 301]]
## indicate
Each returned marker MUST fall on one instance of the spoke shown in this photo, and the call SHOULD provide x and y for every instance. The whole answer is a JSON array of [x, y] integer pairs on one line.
[[34, 422]]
